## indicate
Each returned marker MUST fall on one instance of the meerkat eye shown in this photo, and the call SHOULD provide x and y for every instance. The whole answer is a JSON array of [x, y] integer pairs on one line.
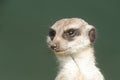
[[52, 33], [71, 32]]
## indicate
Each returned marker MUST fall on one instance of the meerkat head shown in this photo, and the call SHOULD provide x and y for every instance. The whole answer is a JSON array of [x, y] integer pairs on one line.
[[68, 36]]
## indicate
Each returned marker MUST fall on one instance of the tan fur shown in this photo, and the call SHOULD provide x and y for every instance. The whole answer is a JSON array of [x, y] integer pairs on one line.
[[76, 58]]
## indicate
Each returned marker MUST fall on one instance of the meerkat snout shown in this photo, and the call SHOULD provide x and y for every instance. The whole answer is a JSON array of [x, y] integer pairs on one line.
[[66, 33]]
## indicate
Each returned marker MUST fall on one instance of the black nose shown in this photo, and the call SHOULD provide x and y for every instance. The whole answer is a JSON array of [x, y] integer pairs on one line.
[[54, 46]]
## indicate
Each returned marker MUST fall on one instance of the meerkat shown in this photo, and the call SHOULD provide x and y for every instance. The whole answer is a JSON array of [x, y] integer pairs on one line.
[[72, 39]]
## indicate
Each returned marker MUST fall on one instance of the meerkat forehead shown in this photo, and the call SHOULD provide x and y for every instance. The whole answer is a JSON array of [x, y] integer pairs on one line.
[[67, 23]]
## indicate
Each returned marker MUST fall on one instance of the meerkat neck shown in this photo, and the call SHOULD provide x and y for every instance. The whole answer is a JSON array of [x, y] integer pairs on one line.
[[79, 66], [83, 56]]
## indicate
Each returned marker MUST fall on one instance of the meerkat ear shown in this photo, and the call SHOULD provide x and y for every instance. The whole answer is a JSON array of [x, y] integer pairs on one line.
[[92, 34]]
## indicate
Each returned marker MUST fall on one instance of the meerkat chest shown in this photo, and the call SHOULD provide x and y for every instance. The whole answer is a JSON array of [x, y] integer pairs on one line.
[[78, 69], [69, 71]]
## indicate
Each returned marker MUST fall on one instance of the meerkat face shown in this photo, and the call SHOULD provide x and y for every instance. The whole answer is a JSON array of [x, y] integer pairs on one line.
[[68, 36]]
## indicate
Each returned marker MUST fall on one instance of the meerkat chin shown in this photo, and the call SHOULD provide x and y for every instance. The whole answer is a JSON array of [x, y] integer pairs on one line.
[[71, 39]]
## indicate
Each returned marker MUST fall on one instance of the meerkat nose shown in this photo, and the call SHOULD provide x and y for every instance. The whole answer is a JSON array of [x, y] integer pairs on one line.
[[54, 46]]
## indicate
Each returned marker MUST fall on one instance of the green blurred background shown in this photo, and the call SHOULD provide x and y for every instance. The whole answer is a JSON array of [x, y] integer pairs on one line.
[[24, 24]]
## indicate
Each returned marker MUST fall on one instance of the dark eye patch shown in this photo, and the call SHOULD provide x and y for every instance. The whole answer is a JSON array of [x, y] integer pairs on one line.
[[70, 34], [52, 33]]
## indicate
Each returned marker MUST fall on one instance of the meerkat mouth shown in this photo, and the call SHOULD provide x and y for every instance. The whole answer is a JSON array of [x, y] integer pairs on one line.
[[59, 51]]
